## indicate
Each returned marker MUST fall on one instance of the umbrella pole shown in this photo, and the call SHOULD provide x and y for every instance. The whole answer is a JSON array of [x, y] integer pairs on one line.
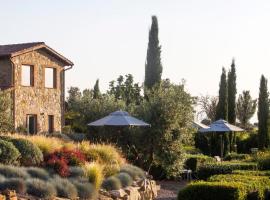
[[221, 146]]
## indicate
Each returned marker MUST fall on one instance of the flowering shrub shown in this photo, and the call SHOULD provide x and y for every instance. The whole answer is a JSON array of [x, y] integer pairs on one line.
[[61, 160]]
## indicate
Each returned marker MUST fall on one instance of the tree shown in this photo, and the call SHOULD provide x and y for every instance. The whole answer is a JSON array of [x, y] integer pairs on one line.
[[5, 112], [245, 108], [222, 113], [96, 90], [169, 110], [232, 94], [263, 114], [153, 66], [222, 106], [208, 106]]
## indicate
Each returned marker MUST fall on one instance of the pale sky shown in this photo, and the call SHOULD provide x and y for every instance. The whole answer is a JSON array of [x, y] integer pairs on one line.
[[108, 38]]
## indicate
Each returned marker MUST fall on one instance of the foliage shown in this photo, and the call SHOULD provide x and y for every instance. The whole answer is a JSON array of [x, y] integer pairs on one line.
[[125, 179], [38, 173], [191, 150], [222, 106], [245, 141], [6, 124], [16, 184], [236, 156], [9, 154], [41, 189], [153, 66], [9, 171], [252, 172], [64, 188], [169, 110], [111, 183], [264, 161], [263, 114], [207, 170], [208, 106], [194, 161], [254, 183], [85, 190], [30, 153], [96, 91], [232, 91], [126, 90], [135, 172], [76, 172], [61, 159], [94, 173], [212, 191], [245, 108], [77, 137]]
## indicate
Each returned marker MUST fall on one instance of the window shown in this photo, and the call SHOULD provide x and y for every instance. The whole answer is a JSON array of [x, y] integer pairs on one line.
[[31, 124], [50, 123], [27, 75], [50, 77]]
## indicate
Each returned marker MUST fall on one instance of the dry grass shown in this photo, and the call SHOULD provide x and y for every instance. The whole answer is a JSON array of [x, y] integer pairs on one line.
[[94, 173]]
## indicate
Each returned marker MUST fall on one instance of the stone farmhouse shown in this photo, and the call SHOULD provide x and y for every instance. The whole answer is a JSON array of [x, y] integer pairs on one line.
[[35, 75]]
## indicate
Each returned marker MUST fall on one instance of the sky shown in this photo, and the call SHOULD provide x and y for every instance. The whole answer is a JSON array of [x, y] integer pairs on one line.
[[108, 38]]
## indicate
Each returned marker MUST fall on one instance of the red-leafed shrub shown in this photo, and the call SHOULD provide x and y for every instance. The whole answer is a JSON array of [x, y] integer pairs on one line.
[[61, 160]]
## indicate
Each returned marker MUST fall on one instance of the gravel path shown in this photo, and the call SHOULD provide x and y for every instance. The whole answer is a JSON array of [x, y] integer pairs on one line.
[[169, 189]]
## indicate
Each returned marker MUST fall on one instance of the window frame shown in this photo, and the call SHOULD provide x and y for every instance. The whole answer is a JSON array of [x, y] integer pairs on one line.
[[54, 77], [32, 75]]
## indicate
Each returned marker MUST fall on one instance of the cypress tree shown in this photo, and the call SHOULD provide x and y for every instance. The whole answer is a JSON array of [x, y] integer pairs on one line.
[[96, 92], [232, 101], [153, 66], [222, 107], [222, 111], [232, 94], [263, 114]]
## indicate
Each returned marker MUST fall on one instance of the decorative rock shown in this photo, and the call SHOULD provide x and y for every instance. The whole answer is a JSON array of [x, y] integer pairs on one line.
[[118, 193], [2, 197], [10, 194]]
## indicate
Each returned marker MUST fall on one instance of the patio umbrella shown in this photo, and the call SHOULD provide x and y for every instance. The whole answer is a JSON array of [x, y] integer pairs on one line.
[[119, 118], [221, 126]]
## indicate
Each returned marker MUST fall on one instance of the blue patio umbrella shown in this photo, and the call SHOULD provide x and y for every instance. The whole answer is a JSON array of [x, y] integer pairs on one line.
[[119, 118]]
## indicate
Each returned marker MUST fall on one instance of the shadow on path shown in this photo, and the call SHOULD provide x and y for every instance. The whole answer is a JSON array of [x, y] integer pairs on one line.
[[169, 189]]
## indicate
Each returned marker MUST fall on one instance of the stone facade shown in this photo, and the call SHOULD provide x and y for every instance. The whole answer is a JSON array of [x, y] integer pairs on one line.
[[37, 99]]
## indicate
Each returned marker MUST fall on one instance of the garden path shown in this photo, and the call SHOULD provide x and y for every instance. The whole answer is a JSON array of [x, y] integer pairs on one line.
[[169, 189]]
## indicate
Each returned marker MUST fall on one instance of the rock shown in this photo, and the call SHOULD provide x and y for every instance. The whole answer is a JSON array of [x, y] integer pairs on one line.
[[117, 193], [10, 194], [133, 193], [2, 197]]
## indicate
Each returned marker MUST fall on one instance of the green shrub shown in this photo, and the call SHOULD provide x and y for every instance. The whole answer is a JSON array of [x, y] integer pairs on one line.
[[2, 178], [254, 184], [213, 191], [9, 154], [13, 172], [16, 184], [207, 170], [30, 153], [236, 156], [125, 179], [76, 172], [85, 190], [194, 161], [40, 189], [252, 172], [39, 173], [64, 188], [264, 163], [191, 150], [133, 171], [111, 183], [77, 137]]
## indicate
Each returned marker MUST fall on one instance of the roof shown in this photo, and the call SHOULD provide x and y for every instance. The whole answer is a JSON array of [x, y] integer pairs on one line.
[[12, 50], [221, 126], [199, 125]]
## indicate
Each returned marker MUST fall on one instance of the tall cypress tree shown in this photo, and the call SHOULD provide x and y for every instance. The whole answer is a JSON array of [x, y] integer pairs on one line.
[[232, 101], [232, 94], [97, 93], [222, 107], [222, 112], [153, 66], [263, 114]]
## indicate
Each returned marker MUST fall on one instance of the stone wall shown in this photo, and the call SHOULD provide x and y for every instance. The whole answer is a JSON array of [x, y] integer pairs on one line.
[[38, 100], [5, 73]]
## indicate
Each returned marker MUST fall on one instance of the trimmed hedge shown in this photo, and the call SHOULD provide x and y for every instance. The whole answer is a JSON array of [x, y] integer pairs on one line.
[[256, 186], [236, 156], [252, 173], [212, 191], [194, 161], [9, 154], [30, 153], [207, 170]]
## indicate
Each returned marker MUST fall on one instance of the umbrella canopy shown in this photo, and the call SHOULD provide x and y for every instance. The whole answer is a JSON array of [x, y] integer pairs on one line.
[[221, 126], [118, 118]]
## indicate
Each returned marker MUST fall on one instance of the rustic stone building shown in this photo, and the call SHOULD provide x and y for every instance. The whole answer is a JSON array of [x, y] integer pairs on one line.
[[35, 75]]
